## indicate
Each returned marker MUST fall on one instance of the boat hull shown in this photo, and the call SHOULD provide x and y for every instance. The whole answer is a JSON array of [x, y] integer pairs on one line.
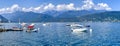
[[80, 30]]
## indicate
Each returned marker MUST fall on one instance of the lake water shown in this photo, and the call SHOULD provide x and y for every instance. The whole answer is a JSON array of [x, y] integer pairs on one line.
[[58, 34]]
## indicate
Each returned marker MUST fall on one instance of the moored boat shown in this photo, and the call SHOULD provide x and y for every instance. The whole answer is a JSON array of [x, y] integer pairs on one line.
[[31, 28], [79, 28]]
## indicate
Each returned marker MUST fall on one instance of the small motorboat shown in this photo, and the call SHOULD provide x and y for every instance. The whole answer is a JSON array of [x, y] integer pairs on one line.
[[23, 24], [78, 28], [30, 27], [72, 25], [45, 24], [35, 30]]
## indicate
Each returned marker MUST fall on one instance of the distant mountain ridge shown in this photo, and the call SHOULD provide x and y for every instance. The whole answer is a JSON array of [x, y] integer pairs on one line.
[[27, 17], [2, 19], [113, 16], [72, 13], [63, 16]]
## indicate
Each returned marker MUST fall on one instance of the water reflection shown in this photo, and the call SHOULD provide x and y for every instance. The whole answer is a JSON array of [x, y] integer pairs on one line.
[[80, 34]]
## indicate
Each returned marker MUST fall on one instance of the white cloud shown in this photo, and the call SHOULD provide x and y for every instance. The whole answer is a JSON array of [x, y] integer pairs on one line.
[[11, 9], [87, 5], [65, 7], [102, 6], [15, 7], [70, 6], [2, 10], [50, 6], [27, 9]]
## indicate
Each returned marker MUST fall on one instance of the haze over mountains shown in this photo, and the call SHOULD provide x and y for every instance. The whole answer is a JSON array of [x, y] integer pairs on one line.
[[63, 16]]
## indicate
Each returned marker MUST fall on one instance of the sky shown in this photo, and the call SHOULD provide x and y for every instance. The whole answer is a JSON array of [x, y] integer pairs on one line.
[[8, 6]]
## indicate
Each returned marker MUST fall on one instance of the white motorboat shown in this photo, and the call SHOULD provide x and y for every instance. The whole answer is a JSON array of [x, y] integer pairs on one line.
[[75, 25], [36, 30], [78, 28], [33, 30], [23, 24], [46, 24], [72, 25]]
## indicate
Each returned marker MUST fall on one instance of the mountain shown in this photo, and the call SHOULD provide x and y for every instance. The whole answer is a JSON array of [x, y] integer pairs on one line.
[[2, 19], [71, 13], [66, 16], [110, 16], [53, 13], [104, 16], [74, 13], [27, 17]]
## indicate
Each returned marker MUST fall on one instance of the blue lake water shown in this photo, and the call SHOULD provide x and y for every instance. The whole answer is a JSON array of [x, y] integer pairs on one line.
[[58, 34]]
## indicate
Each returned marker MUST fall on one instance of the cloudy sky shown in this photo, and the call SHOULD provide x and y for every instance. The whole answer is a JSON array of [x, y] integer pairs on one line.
[[8, 6]]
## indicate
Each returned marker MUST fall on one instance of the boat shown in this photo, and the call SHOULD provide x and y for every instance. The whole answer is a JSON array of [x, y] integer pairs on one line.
[[14, 29], [72, 25], [78, 28], [31, 28], [45, 24], [35, 30], [23, 24]]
